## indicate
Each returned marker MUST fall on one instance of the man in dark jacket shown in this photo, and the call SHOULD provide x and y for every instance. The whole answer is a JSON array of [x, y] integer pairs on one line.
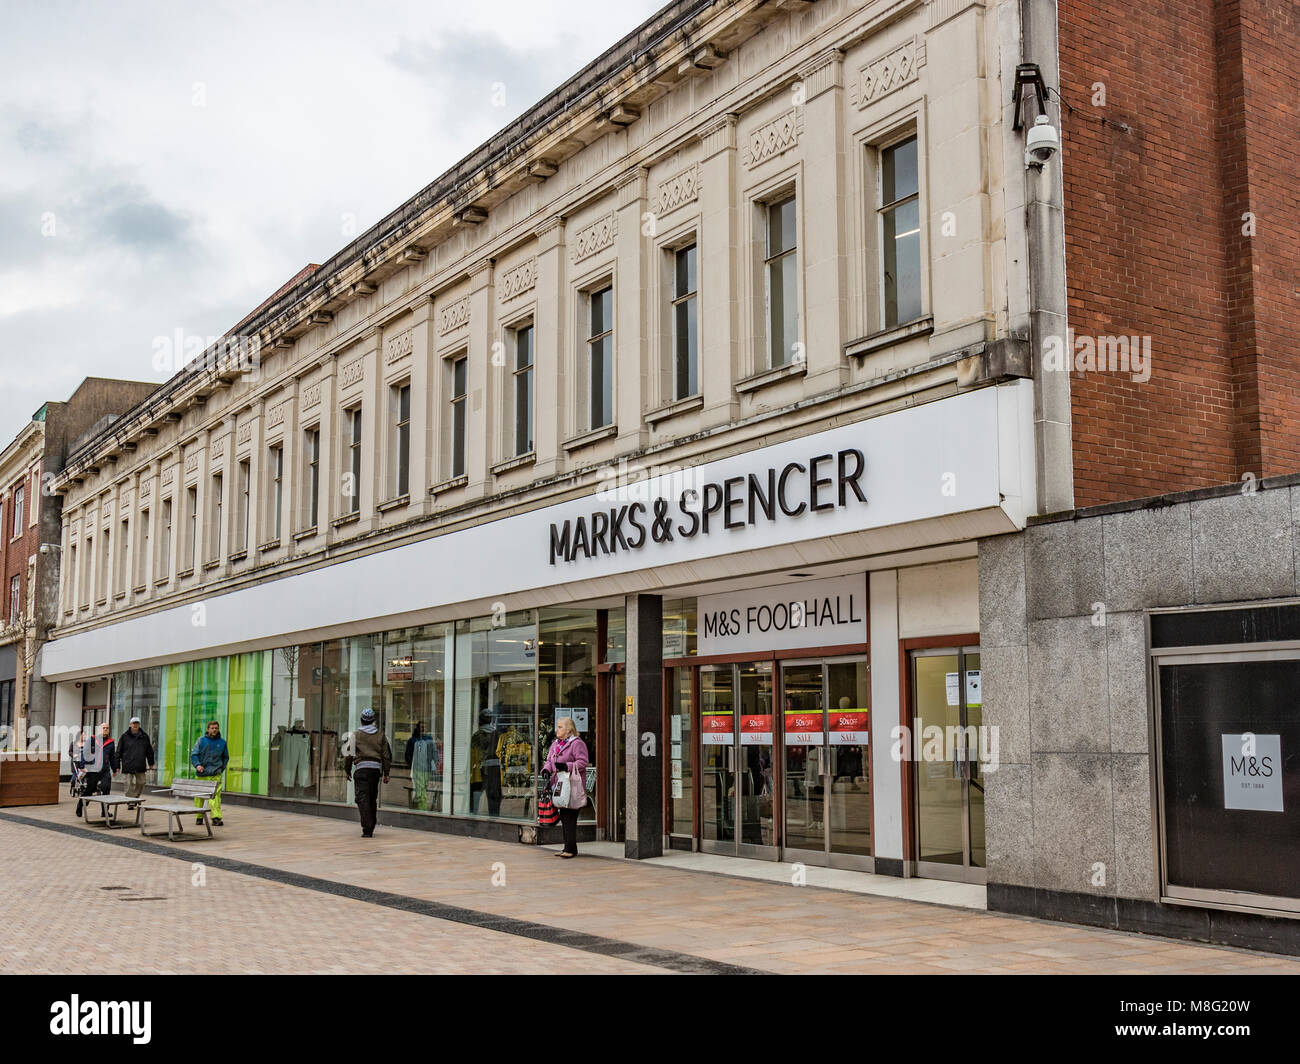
[[369, 758], [135, 754]]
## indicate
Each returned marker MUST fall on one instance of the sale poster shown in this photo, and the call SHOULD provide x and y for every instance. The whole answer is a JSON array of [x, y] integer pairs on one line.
[[756, 729]]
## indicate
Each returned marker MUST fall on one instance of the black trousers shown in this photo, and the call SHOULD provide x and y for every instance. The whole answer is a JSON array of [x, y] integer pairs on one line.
[[569, 822], [366, 783]]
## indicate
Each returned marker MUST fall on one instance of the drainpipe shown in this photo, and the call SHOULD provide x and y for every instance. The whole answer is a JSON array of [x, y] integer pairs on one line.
[[1045, 235]]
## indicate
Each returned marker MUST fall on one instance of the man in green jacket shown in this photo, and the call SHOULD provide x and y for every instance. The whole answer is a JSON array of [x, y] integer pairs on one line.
[[370, 758]]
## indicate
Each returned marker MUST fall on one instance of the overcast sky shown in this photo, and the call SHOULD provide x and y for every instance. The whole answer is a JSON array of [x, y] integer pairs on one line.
[[167, 166]]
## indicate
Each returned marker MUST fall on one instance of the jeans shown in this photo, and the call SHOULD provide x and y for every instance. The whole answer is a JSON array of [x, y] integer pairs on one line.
[[366, 783], [569, 822]]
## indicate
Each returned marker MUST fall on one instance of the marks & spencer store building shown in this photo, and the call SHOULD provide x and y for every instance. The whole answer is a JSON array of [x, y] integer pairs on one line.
[[737, 642]]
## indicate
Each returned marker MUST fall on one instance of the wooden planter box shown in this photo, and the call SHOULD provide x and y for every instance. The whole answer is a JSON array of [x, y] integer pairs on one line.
[[29, 782]]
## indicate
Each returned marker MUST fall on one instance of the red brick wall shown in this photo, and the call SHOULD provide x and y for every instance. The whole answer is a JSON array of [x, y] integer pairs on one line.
[[15, 553], [1270, 36], [1154, 242]]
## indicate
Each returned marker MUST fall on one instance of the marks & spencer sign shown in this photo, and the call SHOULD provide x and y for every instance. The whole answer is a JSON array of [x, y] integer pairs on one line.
[[811, 613], [816, 484]]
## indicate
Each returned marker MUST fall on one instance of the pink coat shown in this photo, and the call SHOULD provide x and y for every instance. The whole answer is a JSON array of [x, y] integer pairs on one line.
[[570, 754]]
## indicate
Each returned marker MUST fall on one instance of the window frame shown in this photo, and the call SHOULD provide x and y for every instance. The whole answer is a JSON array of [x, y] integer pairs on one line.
[[590, 338], [216, 510], [141, 552], [88, 560], [787, 193], [123, 556], [192, 530], [275, 484], [168, 517], [245, 501], [15, 599], [894, 140], [20, 507], [353, 445], [103, 587], [400, 454], [458, 422], [528, 373], [311, 498], [675, 299]]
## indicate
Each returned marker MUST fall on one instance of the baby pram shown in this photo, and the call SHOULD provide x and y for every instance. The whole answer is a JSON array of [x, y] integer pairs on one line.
[[82, 784]]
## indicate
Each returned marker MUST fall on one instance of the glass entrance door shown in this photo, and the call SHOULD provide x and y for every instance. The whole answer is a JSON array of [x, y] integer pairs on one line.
[[946, 718], [826, 767], [610, 776], [736, 769]]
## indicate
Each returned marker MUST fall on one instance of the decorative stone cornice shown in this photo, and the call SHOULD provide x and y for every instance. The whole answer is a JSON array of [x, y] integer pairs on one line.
[[395, 347], [773, 138], [681, 188], [548, 224], [519, 279], [275, 415], [821, 72], [888, 72], [595, 237], [352, 372], [454, 315], [631, 187], [719, 136]]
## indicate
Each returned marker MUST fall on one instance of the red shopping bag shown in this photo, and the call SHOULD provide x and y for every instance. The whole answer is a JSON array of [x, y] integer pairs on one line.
[[547, 815]]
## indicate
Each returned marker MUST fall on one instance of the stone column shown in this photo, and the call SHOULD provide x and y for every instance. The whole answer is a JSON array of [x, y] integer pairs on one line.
[[631, 315], [719, 266], [376, 480], [825, 227], [423, 442], [550, 355], [645, 712], [480, 417]]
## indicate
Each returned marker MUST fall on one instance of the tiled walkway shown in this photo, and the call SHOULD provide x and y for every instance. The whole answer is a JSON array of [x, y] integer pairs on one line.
[[287, 893]]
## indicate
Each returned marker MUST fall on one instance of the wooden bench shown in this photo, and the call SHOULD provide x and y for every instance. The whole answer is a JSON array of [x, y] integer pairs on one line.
[[109, 804], [181, 788]]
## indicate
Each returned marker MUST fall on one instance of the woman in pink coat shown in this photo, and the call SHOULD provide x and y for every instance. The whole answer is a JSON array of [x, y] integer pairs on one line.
[[568, 752]]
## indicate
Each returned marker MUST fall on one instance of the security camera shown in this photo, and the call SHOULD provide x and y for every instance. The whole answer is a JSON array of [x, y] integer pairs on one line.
[[1041, 143]]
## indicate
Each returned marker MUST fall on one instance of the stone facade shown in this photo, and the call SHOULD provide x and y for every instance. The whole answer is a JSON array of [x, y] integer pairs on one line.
[[1071, 828], [597, 195]]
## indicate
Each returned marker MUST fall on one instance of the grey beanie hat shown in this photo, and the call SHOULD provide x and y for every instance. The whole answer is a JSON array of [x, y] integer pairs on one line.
[[367, 716]]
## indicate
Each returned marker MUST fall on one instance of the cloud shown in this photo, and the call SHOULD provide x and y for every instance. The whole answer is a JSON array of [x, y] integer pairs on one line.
[[133, 204], [129, 216]]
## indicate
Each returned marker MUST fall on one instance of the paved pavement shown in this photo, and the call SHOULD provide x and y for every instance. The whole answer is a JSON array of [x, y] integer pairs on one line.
[[280, 892]]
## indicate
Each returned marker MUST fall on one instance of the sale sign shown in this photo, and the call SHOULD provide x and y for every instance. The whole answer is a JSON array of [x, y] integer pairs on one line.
[[803, 728], [716, 729], [848, 727], [756, 729]]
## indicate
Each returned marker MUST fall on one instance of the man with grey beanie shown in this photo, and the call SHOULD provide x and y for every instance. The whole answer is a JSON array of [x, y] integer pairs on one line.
[[370, 758]]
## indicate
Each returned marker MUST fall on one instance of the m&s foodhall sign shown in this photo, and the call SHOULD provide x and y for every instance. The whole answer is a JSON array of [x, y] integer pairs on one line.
[[812, 613]]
